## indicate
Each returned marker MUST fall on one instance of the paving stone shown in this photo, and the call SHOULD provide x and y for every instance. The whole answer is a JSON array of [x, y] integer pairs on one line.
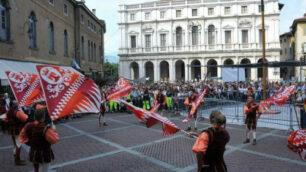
[[78, 147], [177, 152], [131, 136], [116, 162], [241, 161]]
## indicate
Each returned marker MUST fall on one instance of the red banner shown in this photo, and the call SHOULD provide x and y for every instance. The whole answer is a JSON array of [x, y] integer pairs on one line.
[[279, 99], [196, 104], [150, 118], [122, 89], [297, 143], [26, 87], [68, 92]]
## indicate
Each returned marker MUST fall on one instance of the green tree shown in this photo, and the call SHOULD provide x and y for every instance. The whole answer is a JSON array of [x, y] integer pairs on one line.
[[111, 71]]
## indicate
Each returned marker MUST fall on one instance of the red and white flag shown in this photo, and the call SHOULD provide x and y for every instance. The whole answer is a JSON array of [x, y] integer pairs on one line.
[[195, 105], [150, 118], [26, 87], [122, 89], [297, 143], [68, 92], [280, 98]]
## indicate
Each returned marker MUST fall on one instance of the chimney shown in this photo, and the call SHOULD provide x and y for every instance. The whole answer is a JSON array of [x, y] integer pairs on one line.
[[94, 11]]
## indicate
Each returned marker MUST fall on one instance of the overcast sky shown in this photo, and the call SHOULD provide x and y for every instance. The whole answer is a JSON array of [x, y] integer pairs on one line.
[[108, 11]]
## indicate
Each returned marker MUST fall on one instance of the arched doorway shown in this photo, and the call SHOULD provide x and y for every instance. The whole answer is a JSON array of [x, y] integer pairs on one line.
[[164, 71], [149, 69], [228, 62], [134, 70], [247, 70], [196, 71], [180, 70], [212, 71]]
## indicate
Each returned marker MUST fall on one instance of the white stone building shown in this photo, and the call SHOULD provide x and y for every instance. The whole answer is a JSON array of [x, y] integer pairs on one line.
[[162, 39]]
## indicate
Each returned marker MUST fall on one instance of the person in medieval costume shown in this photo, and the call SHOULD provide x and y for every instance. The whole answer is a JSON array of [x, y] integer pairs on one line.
[[39, 137], [210, 145], [161, 100], [102, 112], [16, 120], [251, 110], [188, 102]]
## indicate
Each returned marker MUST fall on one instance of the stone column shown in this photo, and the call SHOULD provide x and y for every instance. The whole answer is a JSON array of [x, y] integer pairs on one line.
[[203, 69], [171, 71], [186, 61], [141, 69], [156, 71]]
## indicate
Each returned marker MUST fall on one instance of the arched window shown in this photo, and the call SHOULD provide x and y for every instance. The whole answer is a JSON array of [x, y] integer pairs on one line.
[[82, 47], [32, 30], [211, 35], [194, 35], [65, 43], [94, 49], [4, 20], [51, 38], [179, 36]]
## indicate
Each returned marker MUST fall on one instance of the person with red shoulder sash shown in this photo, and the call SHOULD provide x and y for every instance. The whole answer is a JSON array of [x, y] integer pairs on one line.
[[188, 102], [210, 145], [251, 110], [16, 120], [39, 137]]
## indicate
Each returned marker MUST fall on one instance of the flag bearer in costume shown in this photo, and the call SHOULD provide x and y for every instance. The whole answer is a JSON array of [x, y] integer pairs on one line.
[[188, 102], [146, 100], [39, 137], [16, 119], [251, 110], [210, 145], [161, 100]]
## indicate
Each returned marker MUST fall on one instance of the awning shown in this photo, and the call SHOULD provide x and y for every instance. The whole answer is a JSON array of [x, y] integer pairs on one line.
[[17, 66]]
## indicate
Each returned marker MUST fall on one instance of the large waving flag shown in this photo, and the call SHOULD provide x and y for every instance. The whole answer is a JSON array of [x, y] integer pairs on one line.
[[150, 118], [68, 92], [122, 89], [196, 104], [280, 98], [26, 87], [297, 143]]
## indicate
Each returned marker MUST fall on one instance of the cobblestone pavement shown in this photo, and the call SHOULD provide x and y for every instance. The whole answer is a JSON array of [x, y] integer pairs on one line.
[[127, 145]]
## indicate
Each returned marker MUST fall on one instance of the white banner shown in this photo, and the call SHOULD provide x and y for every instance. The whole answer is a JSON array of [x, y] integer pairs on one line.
[[232, 74]]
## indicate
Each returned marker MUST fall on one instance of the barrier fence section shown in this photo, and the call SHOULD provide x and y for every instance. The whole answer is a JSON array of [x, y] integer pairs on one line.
[[287, 119]]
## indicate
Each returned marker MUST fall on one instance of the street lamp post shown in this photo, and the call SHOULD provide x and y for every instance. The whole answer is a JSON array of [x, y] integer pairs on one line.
[[264, 67]]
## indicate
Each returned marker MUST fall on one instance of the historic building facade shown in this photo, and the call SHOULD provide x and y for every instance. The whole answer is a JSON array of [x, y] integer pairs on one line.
[[168, 40], [52, 32]]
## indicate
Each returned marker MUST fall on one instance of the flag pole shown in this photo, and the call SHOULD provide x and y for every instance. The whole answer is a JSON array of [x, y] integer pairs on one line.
[[189, 134], [264, 67]]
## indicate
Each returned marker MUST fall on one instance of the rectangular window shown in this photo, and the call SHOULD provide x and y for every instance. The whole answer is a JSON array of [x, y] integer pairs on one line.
[[148, 41], [245, 37], [178, 13], [51, 2], [210, 11], [147, 16], [162, 14], [82, 18], [281, 41], [163, 40], [285, 51], [88, 25], [132, 17], [133, 41], [281, 52], [285, 40], [259, 8], [227, 10], [194, 12], [228, 37], [65, 9], [244, 9], [260, 35]]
